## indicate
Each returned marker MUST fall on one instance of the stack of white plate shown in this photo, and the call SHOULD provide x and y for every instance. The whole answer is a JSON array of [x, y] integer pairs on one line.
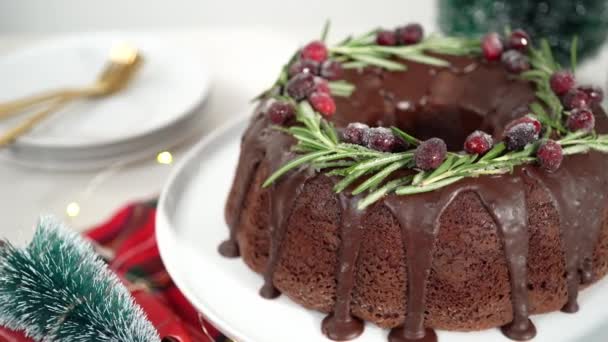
[[160, 108]]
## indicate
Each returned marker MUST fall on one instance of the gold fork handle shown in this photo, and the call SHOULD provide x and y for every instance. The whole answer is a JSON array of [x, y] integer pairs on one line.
[[25, 126], [11, 108]]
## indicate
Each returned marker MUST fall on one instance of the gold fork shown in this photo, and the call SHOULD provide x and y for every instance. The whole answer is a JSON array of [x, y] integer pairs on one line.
[[122, 66]]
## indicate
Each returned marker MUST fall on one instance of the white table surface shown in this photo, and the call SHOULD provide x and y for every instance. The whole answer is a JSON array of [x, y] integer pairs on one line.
[[242, 62]]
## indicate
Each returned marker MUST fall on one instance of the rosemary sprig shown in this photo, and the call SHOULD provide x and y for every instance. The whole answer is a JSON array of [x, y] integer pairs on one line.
[[320, 148], [362, 51], [379, 173]]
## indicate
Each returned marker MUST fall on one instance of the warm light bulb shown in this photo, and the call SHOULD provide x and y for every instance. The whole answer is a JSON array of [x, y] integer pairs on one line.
[[73, 209], [164, 157]]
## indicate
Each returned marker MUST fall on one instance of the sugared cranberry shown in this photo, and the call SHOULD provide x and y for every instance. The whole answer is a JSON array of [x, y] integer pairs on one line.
[[356, 133], [300, 86], [520, 135], [525, 119], [596, 94], [331, 70], [575, 98], [562, 81], [409, 34], [382, 139], [430, 154], [316, 51], [321, 85], [519, 40], [491, 45], [386, 38], [581, 120], [303, 66], [550, 155], [323, 103], [280, 112], [478, 142], [515, 62]]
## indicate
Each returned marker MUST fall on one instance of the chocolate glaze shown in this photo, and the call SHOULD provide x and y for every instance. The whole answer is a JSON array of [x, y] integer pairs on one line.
[[341, 325], [283, 195], [471, 87], [252, 152]]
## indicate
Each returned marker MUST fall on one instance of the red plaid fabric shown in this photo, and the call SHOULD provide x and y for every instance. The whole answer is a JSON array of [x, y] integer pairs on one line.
[[128, 243]]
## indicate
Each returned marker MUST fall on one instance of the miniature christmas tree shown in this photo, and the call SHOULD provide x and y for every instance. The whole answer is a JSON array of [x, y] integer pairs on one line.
[[558, 21], [57, 289]]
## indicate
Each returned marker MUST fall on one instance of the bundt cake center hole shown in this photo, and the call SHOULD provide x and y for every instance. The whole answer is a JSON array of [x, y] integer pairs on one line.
[[452, 124]]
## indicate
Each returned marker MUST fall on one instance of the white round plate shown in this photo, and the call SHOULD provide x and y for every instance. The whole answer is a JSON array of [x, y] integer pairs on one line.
[[190, 226], [171, 83]]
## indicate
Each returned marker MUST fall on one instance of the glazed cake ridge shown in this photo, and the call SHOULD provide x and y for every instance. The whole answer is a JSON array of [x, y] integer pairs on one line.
[[316, 247]]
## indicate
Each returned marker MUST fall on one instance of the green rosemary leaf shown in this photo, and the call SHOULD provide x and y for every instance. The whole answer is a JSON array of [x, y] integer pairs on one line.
[[354, 65], [387, 158], [599, 147], [380, 62], [461, 160], [548, 55], [406, 137], [293, 164], [418, 177], [348, 180], [379, 177], [309, 141], [327, 165], [341, 88], [330, 131], [325, 31], [445, 166], [411, 189], [533, 74], [497, 150], [382, 191], [573, 53], [421, 58], [575, 149]]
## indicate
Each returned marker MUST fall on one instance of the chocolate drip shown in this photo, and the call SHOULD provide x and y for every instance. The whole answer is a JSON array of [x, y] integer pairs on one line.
[[418, 217], [341, 325], [283, 196], [578, 195], [504, 198], [252, 152]]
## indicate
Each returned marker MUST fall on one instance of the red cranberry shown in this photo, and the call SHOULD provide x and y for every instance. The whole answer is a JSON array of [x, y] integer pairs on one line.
[[410, 34], [356, 133], [331, 70], [525, 119], [596, 94], [382, 139], [575, 98], [478, 142], [550, 155], [386, 38], [281, 113], [515, 62], [581, 119], [491, 45], [519, 40], [316, 51], [303, 66], [430, 154], [321, 85], [562, 81], [323, 103], [520, 135], [300, 86]]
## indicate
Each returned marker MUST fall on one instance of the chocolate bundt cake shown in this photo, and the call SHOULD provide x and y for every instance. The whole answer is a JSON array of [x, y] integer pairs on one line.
[[379, 225]]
